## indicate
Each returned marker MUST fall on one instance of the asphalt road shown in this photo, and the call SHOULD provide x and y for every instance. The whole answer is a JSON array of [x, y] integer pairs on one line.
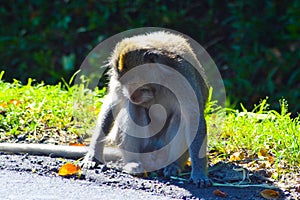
[[24, 176], [24, 185]]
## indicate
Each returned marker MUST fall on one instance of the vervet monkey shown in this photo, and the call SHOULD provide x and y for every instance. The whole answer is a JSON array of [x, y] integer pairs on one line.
[[153, 124]]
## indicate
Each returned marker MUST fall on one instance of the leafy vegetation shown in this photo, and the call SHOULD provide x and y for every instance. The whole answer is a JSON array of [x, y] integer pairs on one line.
[[260, 139], [38, 113], [255, 44]]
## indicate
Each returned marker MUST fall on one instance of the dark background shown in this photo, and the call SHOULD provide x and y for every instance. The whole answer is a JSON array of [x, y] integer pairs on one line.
[[254, 43]]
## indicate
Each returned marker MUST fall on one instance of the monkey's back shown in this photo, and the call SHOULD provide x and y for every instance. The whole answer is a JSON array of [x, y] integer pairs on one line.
[[165, 43]]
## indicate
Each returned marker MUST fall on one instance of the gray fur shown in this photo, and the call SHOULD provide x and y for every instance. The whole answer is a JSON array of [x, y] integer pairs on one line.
[[167, 49]]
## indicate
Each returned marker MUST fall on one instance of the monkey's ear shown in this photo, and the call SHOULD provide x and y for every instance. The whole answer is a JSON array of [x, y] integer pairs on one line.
[[151, 56]]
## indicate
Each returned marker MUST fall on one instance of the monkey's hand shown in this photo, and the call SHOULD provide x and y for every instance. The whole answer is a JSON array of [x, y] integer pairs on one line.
[[89, 162], [134, 168], [171, 170], [200, 179]]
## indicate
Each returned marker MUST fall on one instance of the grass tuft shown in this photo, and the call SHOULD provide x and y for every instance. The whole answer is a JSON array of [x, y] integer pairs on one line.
[[261, 138]]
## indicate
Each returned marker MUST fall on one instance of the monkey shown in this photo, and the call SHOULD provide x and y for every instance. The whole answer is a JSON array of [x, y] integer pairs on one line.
[[155, 127]]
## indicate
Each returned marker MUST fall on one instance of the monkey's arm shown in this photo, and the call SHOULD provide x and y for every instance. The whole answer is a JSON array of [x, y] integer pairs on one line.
[[198, 146], [104, 123]]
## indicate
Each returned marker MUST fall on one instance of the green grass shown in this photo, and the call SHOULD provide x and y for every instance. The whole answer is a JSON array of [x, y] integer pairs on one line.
[[261, 139], [60, 114], [46, 113]]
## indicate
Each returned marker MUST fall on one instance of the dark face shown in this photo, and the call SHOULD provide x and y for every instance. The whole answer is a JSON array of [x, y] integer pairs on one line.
[[141, 95], [134, 88]]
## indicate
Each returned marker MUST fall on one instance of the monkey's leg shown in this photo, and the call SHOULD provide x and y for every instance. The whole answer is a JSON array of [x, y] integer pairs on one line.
[[178, 147], [131, 145], [198, 156], [104, 123], [176, 167], [130, 149]]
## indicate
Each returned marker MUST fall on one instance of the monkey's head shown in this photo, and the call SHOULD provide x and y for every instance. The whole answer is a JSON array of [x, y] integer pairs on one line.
[[133, 86], [157, 48]]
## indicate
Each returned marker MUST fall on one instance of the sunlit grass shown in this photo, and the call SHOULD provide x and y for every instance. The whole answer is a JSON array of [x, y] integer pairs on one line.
[[261, 138], [46, 113]]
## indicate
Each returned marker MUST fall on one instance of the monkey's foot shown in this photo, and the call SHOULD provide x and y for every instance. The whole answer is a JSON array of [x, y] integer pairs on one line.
[[171, 170], [200, 180], [134, 168], [89, 162]]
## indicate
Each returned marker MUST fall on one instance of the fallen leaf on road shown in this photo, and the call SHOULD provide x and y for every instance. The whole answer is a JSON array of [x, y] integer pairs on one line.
[[219, 193], [77, 144], [269, 194], [69, 169]]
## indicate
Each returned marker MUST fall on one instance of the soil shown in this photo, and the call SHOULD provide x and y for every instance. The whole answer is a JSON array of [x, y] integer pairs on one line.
[[111, 175]]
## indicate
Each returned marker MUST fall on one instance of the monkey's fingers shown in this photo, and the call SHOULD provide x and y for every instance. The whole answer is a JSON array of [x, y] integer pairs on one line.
[[88, 165], [89, 162], [201, 182], [134, 168]]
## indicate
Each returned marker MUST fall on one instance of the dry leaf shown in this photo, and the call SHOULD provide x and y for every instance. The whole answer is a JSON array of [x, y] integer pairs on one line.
[[3, 105], [145, 175], [271, 159], [92, 108], [189, 162], [236, 156], [262, 153], [69, 169], [77, 144], [269, 194], [219, 193], [15, 102]]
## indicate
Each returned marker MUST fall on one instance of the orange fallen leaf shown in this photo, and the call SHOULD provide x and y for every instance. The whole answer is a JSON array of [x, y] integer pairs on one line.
[[92, 108], [77, 144], [3, 105], [219, 193], [269, 194], [69, 169], [263, 153], [189, 162], [271, 159], [237, 156], [15, 102]]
